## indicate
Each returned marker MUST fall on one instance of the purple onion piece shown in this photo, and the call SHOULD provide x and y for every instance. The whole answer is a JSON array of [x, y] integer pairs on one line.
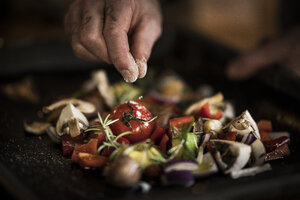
[[177, 165], [183, 177], [250, 139]]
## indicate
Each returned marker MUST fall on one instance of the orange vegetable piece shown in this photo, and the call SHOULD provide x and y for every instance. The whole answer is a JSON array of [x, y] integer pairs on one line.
[[90, 147], [91, 160], [163, 143], [264, 125]]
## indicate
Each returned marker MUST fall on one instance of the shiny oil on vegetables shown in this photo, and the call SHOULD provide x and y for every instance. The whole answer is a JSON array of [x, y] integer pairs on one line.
[[159, 138]]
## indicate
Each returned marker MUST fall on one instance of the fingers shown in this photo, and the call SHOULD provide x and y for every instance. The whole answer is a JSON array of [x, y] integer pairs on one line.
[[247, 65], [143, 39], [118, 19], [92, 23], [72, 27]]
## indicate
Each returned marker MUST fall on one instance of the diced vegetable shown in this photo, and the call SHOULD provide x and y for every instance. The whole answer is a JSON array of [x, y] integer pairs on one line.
[[264, 125], [91, 160], [228, 136], [190, 146], [68, 143], [180, 122], [213, 125], [278, 153], [230, 156], [90, 147], [163, 143], [99, 136], [208, 111], [157, 134], [276, 143]]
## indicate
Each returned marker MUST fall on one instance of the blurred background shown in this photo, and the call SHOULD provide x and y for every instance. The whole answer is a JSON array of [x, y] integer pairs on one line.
[[32, 34]]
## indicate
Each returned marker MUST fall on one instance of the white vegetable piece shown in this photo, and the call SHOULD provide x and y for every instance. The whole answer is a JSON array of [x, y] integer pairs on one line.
[[250, 171], [71, 121], [258, 153], [213, 125], [240, 151], [243, 125]]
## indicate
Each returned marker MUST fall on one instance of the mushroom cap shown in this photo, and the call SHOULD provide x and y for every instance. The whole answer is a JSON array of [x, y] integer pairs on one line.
[[83, 106], [243, 125], [72, 118]]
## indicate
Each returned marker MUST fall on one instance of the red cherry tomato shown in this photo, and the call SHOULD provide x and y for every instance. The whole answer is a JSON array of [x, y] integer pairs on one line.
[[132, 117]]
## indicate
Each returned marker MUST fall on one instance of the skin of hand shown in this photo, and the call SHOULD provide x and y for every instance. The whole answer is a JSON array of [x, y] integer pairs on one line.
[[118, 32], [284, 51]]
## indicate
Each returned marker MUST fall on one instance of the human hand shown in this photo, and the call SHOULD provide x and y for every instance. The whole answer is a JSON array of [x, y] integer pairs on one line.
[[121, 32], [284, 51]]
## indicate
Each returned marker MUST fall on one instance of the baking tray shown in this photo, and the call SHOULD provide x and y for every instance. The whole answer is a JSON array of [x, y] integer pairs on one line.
[[33, 167]]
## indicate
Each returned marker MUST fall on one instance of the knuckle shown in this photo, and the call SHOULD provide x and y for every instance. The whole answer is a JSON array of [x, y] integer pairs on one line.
[[77, 49], [88, 39]]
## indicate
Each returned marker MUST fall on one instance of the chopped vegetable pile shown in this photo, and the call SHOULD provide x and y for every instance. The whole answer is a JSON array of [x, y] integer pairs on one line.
[[161, 138]]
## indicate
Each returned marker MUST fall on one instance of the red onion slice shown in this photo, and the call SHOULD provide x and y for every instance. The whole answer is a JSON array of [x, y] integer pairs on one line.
[[183, 177], [177, 165]]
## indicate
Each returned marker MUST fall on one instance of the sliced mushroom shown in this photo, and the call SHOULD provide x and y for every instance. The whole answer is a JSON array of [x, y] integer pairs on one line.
[[83, 106], [243, 125], [217, 98], [71, 121], [123, 172], [36, 128], [102, 84], [230, 156]]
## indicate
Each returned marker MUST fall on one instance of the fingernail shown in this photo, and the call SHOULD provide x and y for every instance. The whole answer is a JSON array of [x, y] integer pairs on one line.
[[142, 65], [128, 76]]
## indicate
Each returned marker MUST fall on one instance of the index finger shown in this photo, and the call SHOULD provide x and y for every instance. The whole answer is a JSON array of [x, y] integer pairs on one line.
[[117, 23]]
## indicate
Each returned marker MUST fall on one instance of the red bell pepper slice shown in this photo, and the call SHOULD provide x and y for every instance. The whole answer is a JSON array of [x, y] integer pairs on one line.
[[91, 160], [276, 143], [264, 125], [208, 111], [180, 122], [157, 134], [68, 143], [163, 143], [278, 153], [90, 147]]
